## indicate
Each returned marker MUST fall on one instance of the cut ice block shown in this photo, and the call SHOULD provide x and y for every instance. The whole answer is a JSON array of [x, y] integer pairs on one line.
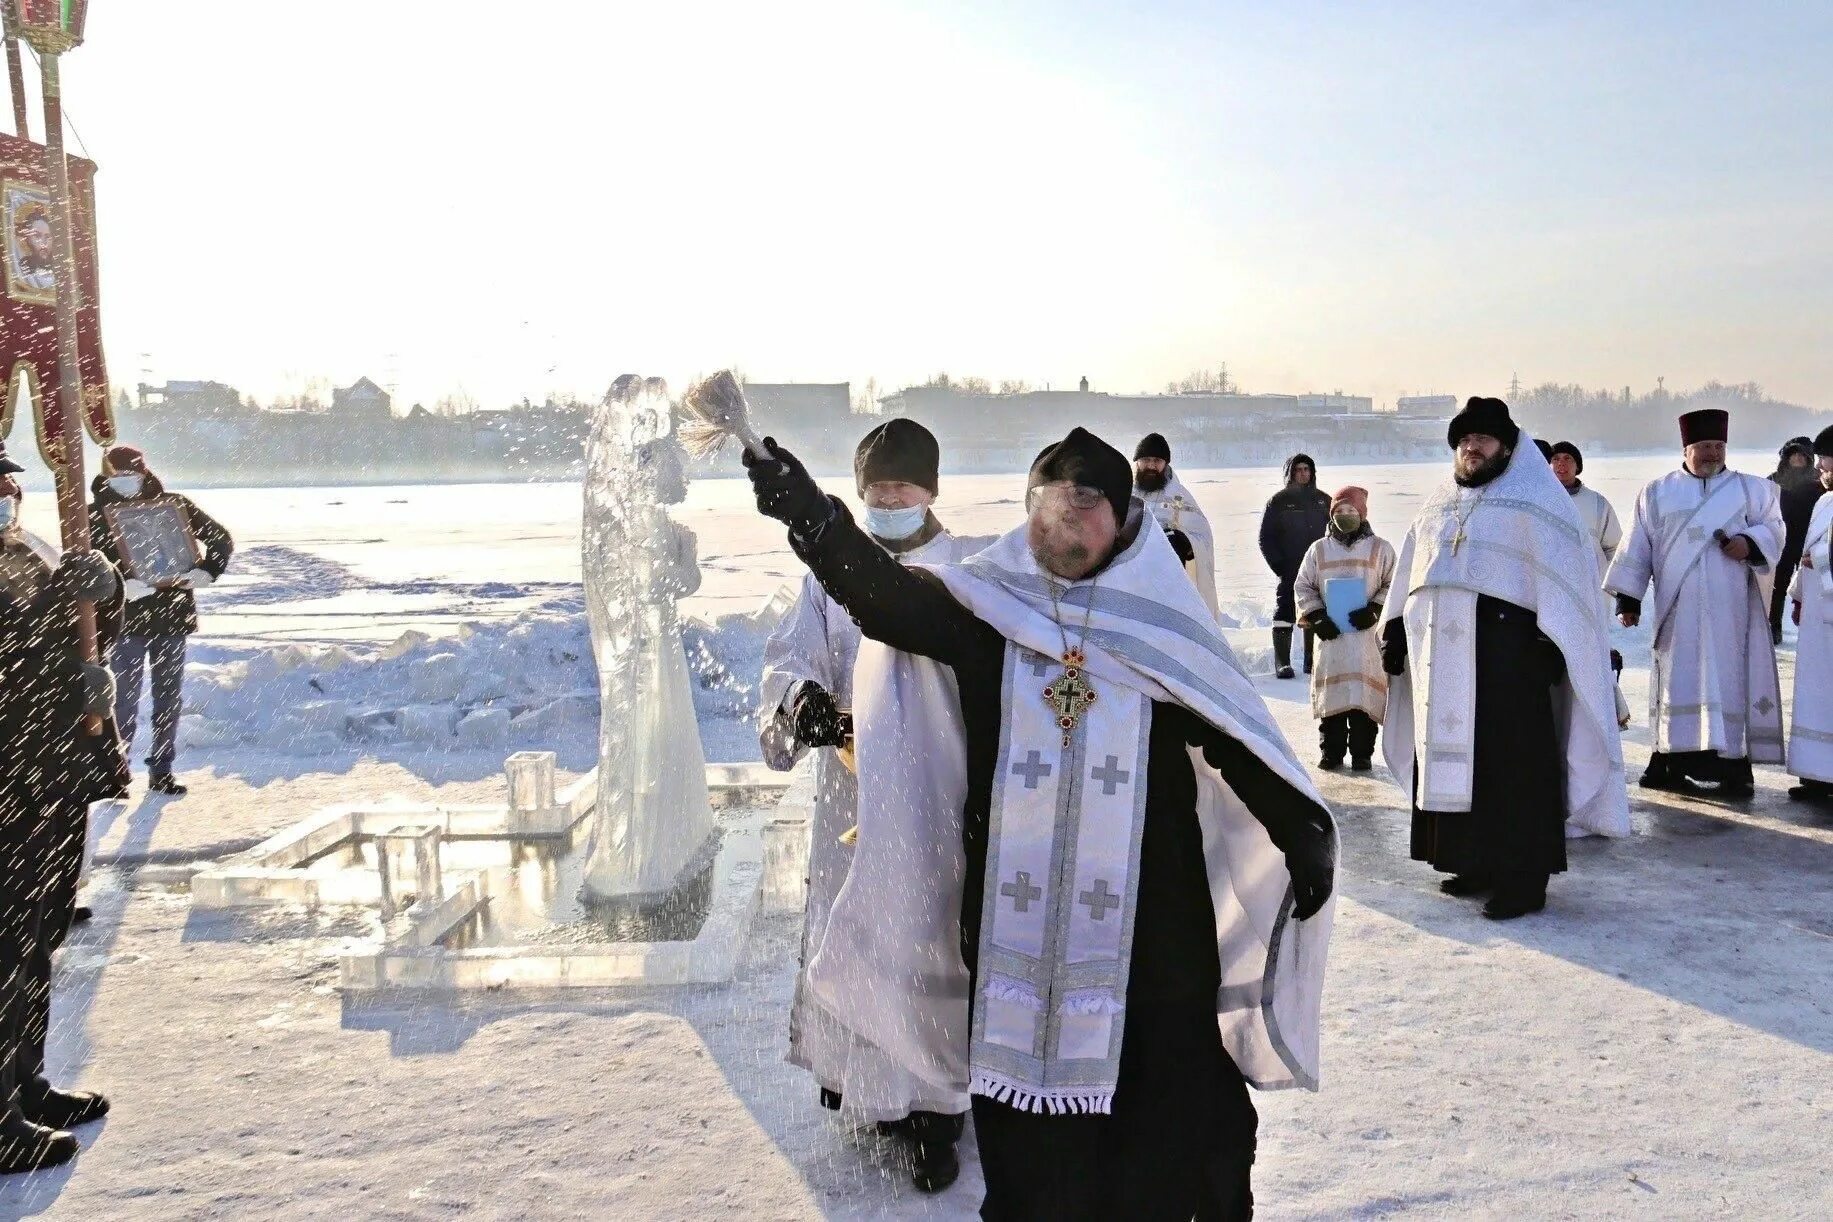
[[531, 781]]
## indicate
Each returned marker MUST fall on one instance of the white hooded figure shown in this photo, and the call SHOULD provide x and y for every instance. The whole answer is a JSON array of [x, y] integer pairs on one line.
[[653, 820], [806, 693]]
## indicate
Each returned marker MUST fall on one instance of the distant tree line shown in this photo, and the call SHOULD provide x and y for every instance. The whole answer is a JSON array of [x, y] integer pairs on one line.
[[1620, 420]]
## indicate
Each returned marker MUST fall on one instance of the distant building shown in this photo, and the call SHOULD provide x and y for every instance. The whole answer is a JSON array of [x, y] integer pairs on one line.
[[363, 400], [1439, 407], [1335, 405], [190, 398]]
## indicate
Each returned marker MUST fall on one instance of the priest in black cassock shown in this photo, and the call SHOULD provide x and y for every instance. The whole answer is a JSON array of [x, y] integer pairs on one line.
[[1501, 720], [1091, 879]]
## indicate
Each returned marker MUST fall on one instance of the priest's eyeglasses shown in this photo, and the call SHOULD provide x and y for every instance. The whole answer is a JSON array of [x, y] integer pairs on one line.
[[1079, 496]]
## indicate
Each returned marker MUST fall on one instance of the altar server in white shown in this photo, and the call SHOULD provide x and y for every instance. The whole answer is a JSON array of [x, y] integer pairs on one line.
[[1706, 537], [1075, 804], [1175, 506], [1810, 740], [807, 698], [1600, 519]]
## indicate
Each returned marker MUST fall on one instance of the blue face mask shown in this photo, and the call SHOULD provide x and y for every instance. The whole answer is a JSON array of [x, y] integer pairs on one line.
[[895, 524], [9, 512]]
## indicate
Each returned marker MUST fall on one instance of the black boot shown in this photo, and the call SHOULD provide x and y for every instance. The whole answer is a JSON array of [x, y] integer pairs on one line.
[[165, 783], [1466, 885], [42, 1103], [25, 1146], [1282, 652], [1811, 791], [1662, 774], [1516, 897], [934, 1164]]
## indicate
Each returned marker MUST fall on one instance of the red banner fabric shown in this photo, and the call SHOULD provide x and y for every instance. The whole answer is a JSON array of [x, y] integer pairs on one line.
[[28, 296]]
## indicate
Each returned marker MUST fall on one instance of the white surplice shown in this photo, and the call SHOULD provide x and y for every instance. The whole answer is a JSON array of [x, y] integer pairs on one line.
[[1517, 539], [817, 642], [1600, 519], [1810, 740], [1714, 685], [1175, 507]]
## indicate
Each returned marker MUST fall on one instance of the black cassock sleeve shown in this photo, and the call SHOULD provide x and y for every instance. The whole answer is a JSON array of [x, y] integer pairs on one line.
[[901, 607], [1294, 822]]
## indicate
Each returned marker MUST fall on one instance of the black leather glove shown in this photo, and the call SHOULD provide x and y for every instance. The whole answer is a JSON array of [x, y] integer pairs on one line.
[[1325, 627], [1616, 662], [1394, 655], [90, 577], [1180, 543], [1312, 863], [1364, 618], [819, 721], [786, 491], [98, 689]]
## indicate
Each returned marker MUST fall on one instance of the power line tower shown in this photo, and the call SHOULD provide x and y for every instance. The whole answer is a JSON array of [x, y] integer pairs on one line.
[[1514, 387]]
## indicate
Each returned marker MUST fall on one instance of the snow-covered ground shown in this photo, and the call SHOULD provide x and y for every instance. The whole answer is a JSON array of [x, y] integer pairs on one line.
[[1659, 1043]]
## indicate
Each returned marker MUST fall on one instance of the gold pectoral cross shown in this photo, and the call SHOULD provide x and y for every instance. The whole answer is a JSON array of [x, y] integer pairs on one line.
[[1070, 694], [1457, 540]]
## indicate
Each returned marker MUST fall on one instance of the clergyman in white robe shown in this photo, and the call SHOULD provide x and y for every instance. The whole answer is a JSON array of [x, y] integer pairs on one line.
[[1506, 561], [817, 642], [1810, 740], [1715, 698], [1176, 508]]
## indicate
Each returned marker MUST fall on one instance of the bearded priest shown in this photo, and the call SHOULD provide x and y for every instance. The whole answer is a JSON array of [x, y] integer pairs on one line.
[[1092, 885], [1705, 536], [1167, 499], [1501, 725]]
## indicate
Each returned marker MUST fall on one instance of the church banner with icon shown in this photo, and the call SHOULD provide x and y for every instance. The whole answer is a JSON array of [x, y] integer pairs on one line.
[[28, 302]]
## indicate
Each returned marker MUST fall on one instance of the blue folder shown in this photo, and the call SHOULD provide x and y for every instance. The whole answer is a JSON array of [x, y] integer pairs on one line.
[[1343, 595]]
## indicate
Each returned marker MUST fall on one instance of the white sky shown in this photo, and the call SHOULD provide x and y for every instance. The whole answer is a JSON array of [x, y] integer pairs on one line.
[[1421, 198]]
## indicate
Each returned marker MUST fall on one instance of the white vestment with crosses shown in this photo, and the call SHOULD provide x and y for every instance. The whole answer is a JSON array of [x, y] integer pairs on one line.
[[1713, 685], [1064, 829]]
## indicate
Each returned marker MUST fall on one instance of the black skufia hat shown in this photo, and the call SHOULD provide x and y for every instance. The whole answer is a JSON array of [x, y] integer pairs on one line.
[[1083, 458], [1152, 445], [898, 450], [1486, 416], [1567, 448], [1823, 442]]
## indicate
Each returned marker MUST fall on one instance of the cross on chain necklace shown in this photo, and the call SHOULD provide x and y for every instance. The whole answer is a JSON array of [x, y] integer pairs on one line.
[[1458, 540], [1070, 693]]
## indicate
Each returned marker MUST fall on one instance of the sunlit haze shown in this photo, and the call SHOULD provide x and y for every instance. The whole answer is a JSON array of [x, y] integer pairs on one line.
[[503, 200]]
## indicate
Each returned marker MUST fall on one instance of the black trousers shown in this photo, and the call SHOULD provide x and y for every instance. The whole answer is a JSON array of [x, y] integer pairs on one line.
[[1352, 732], [34, 916], [1178, 1145], [1778, 601]]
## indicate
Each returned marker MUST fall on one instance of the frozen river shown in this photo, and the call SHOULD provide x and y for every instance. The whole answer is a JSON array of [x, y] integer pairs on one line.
[[363, 564]]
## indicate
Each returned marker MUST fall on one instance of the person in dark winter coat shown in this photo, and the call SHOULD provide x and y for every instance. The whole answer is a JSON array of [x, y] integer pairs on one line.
[[53, 768], [1296, 517], [157, 619], [1800, 483]]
